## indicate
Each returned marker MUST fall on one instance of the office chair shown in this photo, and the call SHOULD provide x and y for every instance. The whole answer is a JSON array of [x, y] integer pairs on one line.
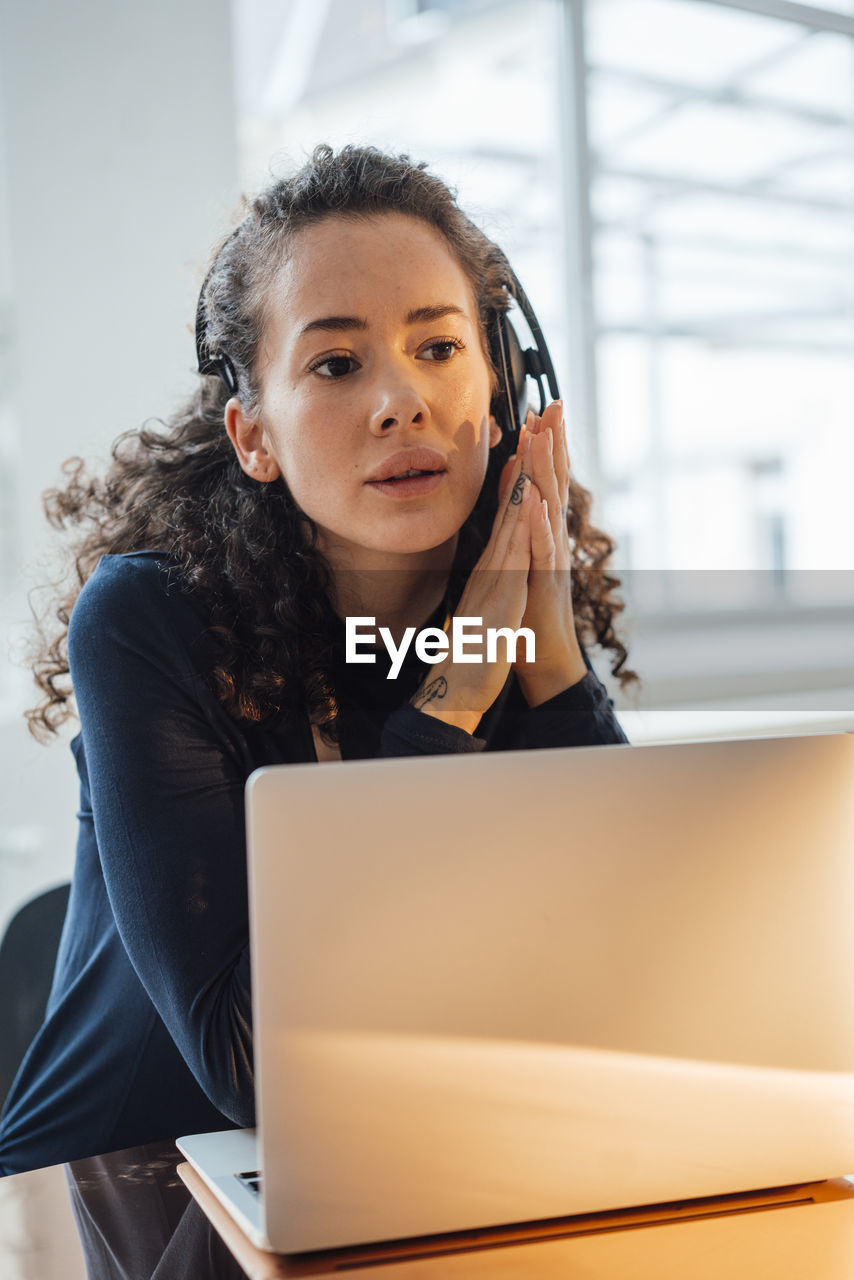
[[27, 957]]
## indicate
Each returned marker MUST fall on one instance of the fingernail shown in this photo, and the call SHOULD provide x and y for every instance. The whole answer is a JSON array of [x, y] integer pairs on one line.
[[545, 507], [526, 443], [551, 440]]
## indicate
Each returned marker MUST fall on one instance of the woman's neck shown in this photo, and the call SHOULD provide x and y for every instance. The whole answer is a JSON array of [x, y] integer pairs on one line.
[[396, 591]]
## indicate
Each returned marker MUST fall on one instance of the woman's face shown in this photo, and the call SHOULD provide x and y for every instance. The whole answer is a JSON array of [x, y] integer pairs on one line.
[[371, 366]]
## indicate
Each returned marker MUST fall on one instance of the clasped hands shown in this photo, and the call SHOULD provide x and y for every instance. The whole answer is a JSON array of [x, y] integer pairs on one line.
[[522, 579]]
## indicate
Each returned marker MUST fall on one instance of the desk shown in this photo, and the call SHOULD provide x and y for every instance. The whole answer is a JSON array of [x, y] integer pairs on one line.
[[136, 1219]]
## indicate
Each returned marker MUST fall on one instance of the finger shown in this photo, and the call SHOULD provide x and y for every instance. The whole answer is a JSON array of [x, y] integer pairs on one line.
[[553, 420], [515, 515], [557, 424], [542, 539], [509, 478], [517, 556], [552, 415], [491, 592], [508, 509], [504, 478], [523, 444], [563, 474], [544, 474], [530, 428], [508, 482]]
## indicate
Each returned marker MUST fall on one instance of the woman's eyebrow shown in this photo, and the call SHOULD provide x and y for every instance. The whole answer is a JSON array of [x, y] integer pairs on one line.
[[436, 311], [333, 322]]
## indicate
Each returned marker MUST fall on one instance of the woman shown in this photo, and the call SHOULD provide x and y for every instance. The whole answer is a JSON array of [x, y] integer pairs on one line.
[[361, 472]]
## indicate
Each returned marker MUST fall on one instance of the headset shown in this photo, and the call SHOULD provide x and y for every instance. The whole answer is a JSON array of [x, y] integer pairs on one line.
[[513, 363]]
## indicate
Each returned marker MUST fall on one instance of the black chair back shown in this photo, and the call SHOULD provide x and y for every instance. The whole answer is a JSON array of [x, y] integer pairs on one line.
[[27, 959]]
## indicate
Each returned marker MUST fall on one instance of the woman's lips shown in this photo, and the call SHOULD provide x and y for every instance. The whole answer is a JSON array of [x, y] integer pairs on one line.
[[411, 486], [417, 458]]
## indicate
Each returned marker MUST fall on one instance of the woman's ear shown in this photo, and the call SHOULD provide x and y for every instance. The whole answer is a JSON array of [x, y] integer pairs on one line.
[[494, 432], [250, 443]]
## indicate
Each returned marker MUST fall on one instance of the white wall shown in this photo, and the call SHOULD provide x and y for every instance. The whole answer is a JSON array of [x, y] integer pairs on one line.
[[120, 170]]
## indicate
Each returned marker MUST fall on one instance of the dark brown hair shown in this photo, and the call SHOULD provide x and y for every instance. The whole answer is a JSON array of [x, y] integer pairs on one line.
[[242, 547]]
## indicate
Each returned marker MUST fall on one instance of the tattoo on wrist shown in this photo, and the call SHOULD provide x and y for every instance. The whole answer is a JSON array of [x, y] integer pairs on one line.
[[430, 692], [518, 490]]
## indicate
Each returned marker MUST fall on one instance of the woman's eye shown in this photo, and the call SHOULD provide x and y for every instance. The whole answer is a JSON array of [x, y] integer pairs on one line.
[[335, 366], [442, 350]]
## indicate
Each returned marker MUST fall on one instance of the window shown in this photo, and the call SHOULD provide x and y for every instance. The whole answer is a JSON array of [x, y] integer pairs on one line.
[[673, 181]]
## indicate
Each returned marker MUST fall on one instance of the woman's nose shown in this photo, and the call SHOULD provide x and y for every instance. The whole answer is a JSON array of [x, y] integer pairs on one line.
[[397, 403]]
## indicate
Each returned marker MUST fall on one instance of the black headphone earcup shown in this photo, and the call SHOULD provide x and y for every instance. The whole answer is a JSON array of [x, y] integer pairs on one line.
[[510, 401], [519, 378]]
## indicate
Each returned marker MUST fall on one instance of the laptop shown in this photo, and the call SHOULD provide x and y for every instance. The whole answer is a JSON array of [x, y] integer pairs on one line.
[[516, 986]]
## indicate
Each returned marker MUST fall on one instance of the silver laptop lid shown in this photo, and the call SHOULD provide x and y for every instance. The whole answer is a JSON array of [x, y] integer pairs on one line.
[[521, 985]]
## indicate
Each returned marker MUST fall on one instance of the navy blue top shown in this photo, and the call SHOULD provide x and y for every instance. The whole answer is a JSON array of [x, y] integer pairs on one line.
[[148, 1029]]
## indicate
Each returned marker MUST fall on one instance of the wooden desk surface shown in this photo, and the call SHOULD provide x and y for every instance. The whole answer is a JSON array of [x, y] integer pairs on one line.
[[797, 1233], [131, 1213]]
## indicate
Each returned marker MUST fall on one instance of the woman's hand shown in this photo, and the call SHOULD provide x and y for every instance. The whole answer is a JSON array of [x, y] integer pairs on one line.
[[548, 612], [496, 592]]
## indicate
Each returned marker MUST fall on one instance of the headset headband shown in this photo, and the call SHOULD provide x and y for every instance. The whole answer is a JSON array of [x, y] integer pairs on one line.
[[215, 363]]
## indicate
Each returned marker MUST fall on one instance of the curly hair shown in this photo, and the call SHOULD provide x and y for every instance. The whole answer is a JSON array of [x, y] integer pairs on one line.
[[242, 547]]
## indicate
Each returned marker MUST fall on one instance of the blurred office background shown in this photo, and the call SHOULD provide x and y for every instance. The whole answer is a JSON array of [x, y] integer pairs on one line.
[[673, 181]]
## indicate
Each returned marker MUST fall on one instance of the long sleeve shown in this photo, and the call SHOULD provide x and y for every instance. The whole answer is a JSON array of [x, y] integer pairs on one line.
[[166, 780], [581, 716]]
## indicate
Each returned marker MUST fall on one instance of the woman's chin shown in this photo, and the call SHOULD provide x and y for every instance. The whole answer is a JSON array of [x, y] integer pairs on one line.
[[408, 533], [350, 546]]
